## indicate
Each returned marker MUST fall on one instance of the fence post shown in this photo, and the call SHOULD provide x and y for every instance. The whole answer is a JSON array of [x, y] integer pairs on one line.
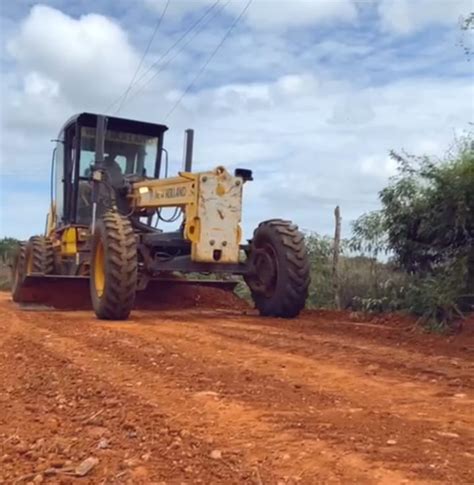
[[335, 260]]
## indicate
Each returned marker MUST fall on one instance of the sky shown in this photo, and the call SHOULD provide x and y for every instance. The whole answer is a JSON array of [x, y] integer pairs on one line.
[[309, 94]]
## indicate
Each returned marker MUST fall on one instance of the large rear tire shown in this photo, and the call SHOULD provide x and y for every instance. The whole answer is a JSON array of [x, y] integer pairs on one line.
[[18, 270], [113, 275], [39, 256], [280, 269]]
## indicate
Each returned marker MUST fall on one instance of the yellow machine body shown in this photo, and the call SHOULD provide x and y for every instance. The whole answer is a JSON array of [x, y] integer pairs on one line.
[[101, 248], [212, 206]]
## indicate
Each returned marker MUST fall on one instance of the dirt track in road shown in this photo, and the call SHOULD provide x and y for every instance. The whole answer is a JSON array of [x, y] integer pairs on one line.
[[222, 396]]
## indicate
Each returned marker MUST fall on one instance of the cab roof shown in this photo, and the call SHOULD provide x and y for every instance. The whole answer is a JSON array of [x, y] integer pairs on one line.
[[117, 124]]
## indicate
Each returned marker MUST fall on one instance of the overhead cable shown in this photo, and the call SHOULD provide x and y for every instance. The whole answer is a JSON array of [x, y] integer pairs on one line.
[[157, 26], [209, 59]]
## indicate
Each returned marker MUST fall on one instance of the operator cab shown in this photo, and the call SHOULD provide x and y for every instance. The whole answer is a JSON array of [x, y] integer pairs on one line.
[[132, 150]]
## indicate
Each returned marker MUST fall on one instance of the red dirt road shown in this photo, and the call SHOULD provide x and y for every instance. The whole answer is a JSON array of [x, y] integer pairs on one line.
[[222, 396]]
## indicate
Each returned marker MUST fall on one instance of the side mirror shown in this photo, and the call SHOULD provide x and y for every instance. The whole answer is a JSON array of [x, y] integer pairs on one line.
[[245, 173]]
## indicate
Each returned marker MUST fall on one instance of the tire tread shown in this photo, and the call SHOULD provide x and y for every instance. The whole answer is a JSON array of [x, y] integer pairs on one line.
[[292, 288], [121, 269]]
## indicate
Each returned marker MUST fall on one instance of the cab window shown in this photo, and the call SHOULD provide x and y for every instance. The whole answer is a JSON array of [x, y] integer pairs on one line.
[[135, 154]]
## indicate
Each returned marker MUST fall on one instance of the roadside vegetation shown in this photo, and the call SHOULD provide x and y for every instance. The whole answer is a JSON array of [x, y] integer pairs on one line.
[[7, 246], [417, 252]]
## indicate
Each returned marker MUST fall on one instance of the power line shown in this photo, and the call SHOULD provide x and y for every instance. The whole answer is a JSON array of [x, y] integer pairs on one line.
[[209, 59], [183, 46], [157, 26], [188, 30]]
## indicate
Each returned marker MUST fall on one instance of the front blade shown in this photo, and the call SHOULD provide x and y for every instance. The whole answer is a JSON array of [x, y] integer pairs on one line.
[[72, 292], [61, 292]]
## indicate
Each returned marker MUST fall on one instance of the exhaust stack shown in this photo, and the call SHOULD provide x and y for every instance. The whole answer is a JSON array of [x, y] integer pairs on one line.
[[188, 150]]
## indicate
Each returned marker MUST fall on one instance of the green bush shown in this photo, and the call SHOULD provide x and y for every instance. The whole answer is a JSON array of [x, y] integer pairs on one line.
[[242, 290], [434, 297], [427, 225], [364, 283], [371, 286]]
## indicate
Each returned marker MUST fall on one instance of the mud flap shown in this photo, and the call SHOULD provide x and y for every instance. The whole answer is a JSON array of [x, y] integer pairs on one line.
[[72, 292]]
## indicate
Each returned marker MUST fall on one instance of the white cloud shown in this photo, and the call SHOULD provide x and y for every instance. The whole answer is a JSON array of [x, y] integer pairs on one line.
[[375, 165], [297, 13], [271, 14], [38, 85], [62, 65], [408, 16], [88, 59], [317, 143], [353, 110]]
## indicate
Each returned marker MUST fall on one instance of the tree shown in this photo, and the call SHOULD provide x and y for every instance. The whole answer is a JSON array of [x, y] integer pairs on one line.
[[427, 225], [467, 26], [369, 235], [428, 211]]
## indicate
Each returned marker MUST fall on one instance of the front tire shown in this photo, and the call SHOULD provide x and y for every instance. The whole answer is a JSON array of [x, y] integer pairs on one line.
[[113, 275], [39, 256], [280, 269]]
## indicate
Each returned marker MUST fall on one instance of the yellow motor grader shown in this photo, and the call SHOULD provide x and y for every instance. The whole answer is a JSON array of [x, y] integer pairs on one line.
[[107, 194]]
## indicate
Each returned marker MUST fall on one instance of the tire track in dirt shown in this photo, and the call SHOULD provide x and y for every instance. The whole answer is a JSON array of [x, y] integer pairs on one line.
[[225, 420], [335, 411], [333, 420], [454, 377], [391, 357], [455, 373], [55, 414], [193, 362], [338, 377], [338, 336], [401, 334]]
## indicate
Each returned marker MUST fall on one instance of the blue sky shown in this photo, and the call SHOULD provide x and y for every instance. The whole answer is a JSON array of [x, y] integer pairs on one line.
[[311, 95]]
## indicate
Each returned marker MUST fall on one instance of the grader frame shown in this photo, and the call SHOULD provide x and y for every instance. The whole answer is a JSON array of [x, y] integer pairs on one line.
[[100, 225]]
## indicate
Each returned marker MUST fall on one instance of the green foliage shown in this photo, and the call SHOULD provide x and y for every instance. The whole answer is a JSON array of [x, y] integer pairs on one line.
[[428, 210], [242, 290], [467, 25], [364, 283], [427, 224], [321, 292], [7, 246], [369, 235], [434, 297], [371, 286]]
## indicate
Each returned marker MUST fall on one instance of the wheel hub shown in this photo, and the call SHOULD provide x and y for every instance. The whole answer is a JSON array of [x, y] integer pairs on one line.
[[264, 275], [99, 270]]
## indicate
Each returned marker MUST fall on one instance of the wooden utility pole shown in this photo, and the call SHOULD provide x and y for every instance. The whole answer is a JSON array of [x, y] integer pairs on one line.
[[335, 260]]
